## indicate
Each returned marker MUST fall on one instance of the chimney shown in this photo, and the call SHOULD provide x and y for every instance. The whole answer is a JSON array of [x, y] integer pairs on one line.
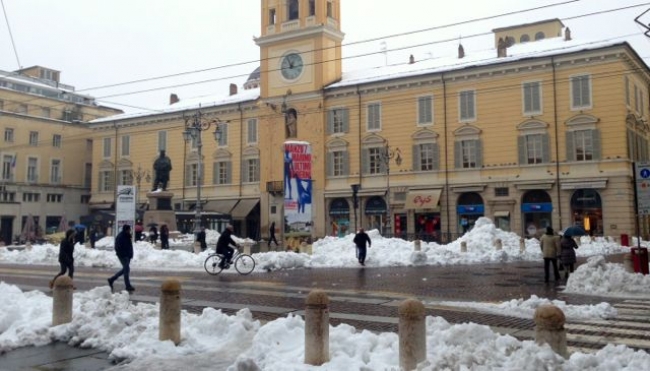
[[411, 59], [233, 89], [173, 98], [501, 48], [567, 34], [461, 51]]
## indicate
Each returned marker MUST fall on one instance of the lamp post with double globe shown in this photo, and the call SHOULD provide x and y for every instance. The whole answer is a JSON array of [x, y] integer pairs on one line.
[[387, 154]]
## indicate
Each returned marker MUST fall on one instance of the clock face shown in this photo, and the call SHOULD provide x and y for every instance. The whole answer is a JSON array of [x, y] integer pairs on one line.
[[291, 66]]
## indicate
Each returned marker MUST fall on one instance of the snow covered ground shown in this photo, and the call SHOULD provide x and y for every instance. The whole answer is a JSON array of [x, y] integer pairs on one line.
[[214, 340]]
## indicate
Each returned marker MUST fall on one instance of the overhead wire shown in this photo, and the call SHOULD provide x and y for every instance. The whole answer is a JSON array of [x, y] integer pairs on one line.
[[11, 35]]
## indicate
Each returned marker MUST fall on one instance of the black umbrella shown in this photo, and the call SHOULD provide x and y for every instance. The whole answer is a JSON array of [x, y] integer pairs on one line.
[[574, 231]]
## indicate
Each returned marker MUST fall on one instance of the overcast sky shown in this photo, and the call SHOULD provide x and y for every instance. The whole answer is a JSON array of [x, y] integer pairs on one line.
[[95, 43]]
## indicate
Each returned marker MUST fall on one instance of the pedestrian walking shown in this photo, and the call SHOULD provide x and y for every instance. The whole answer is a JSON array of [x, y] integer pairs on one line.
[[66, 258], [360, 240], [550, 245], [223, 246], [272, 235], [201, 239], [124, 251], [138, 231], [568, 255], [164, 237], [153, 234], [92, 237]]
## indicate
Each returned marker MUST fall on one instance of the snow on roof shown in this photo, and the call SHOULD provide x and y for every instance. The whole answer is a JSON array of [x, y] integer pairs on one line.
[[535, 49], [205, 101]]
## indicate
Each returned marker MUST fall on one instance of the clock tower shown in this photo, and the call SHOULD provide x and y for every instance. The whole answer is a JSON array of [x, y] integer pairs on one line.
[[300, 46]]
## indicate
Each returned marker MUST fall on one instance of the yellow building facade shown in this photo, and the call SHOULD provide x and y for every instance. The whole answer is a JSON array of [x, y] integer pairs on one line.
[[45, 151], [540, 131]]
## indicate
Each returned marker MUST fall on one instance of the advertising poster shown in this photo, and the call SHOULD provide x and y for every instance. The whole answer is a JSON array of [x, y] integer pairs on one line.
[[124, 208], [297, 187]]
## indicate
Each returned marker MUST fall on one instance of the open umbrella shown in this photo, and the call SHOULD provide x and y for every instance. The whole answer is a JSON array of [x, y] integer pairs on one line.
[[152, 225], [79, 226], [574, 231]]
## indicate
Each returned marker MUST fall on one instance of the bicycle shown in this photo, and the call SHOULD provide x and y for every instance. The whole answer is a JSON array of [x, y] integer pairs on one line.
[[244, 263]]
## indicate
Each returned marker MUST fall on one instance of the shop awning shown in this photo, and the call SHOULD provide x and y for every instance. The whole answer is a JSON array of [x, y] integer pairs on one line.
[[244, 208], [423, 199], [502, 214], [220, 206]]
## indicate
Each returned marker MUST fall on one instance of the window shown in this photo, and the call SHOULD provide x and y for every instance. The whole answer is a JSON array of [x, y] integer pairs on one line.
[[7, 167], [223, 136], [312, 7], [627, 91], [88, 174], [2, 105], [641, 110], [524, 38], [55, 171], [32, 169], [33, 138], [21, 108], [7, 196], [375, 163], [532, 98], [56, 140], [467, 108], [425, 110], [126, 145], [468, 154], [31, 197], [539, 36], [338, 121], [272, 15], [425, 157], [222, 172], [636, 98], [534, 148], [107, 147], [162, 141], [45, 112], [125, 177], [89, 145], [9, 135], [501, 192], [191, 175], [584, 145], [84, 199], [330, 9], [106, 181], [374, 117], [54, 198], [337, 163], [252, 131], [580, 92], [251, 170], [292, 10]]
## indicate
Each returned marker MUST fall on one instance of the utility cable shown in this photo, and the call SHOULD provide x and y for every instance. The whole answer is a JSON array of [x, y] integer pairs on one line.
[[11, 36]]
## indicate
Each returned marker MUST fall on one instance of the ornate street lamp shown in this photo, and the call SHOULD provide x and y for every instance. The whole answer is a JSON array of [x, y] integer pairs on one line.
[[388, 154], [355, 202], [195, 125], [140, 175]]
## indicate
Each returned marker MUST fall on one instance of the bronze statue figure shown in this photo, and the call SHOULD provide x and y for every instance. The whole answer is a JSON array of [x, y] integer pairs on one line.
[[161, 167]]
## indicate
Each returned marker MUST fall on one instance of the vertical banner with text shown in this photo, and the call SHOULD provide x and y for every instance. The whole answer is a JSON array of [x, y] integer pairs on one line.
[[297, 187], [124, 208]]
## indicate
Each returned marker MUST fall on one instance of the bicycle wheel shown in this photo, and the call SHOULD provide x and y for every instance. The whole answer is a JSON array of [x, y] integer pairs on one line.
[[211, 264], [244, 264]]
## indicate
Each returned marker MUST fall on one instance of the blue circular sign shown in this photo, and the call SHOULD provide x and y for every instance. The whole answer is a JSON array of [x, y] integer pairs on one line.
[[645, 173]]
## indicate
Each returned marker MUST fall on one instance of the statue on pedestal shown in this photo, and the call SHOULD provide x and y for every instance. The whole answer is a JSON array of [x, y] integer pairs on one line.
[[161, 167]]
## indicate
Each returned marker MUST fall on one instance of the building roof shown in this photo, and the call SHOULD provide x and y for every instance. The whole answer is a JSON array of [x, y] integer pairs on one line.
[[553, 20]]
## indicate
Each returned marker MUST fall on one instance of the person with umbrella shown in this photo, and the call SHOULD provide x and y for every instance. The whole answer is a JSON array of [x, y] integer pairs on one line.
[[153, 233], [80, 235], [568, 254]]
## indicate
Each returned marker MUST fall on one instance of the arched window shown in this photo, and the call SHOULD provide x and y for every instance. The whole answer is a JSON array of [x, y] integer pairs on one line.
[[524, 38], [539, 36]]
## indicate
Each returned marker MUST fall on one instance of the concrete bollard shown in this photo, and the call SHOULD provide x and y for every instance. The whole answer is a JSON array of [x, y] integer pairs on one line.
[[417, 245], [264, 246], [498, 244], [522, 245], [28, 246], [549, 328], [197, 247], [412, 334], [247, 248], [169, 324], [627, 263], [62, 301], [463, 246], [317, 328]]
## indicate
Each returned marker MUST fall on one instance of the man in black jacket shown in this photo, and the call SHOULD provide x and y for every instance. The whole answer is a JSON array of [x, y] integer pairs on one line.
[[223, 245], [360, 240], [124, 251], [200, 238]]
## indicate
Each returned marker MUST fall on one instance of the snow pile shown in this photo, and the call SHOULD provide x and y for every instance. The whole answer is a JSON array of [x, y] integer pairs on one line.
[[597, 277]]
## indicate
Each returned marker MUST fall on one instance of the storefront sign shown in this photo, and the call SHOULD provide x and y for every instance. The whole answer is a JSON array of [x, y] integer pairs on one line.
[[416, 200], [470, 209], [124, 208], [544, 207]]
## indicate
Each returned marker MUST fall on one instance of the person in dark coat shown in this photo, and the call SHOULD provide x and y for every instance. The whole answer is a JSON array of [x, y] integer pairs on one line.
[[200, 238], [272, 235], [153, 234], [80, 235], [223, 245], [360, 239], [164, 237], [66, 259], [92, 237], [124, 251], [568, 254]]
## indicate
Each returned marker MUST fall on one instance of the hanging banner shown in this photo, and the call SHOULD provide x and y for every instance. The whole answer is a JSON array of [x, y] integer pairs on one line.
[[124, 208], [297, 187]]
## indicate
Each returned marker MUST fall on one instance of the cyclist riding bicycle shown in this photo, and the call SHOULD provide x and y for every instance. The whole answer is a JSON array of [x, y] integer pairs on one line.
[[223, 246]]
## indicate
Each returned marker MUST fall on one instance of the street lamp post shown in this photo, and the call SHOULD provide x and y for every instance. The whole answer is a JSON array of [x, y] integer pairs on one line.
[[195, 125], [355, 203], [139, 176], [388, 154]]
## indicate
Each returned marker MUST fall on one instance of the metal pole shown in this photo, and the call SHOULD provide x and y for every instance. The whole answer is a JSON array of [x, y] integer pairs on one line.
[[197, 209], [388, 218]]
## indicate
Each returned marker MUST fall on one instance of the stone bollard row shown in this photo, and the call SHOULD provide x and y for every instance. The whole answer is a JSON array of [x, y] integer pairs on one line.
[[62, 301], [412, 334], [317, 328], [417, 245], [498, 244], [627, 263], [463, 246], [522, 245], [169, 323], [549, 328]]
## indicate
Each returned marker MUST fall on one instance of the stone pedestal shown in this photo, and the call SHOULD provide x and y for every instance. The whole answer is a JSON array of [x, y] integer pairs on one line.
[[160, 210]]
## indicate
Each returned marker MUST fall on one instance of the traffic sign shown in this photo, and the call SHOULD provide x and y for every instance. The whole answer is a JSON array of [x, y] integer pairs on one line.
[[642, 172]]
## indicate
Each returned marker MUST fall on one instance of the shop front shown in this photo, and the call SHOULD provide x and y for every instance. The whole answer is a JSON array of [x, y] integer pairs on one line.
[[536, 210], [426, 213], [587, 211], [375, 212], [339, 213], [470, 208]]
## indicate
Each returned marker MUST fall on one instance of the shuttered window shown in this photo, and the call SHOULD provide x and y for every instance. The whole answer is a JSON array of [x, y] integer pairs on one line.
[[425, 110], [580, 92], [374, 117], [467, 105], [532, 98]]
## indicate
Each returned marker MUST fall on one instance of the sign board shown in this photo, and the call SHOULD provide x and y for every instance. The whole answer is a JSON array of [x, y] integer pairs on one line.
[[124, 208], [642, 171]]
